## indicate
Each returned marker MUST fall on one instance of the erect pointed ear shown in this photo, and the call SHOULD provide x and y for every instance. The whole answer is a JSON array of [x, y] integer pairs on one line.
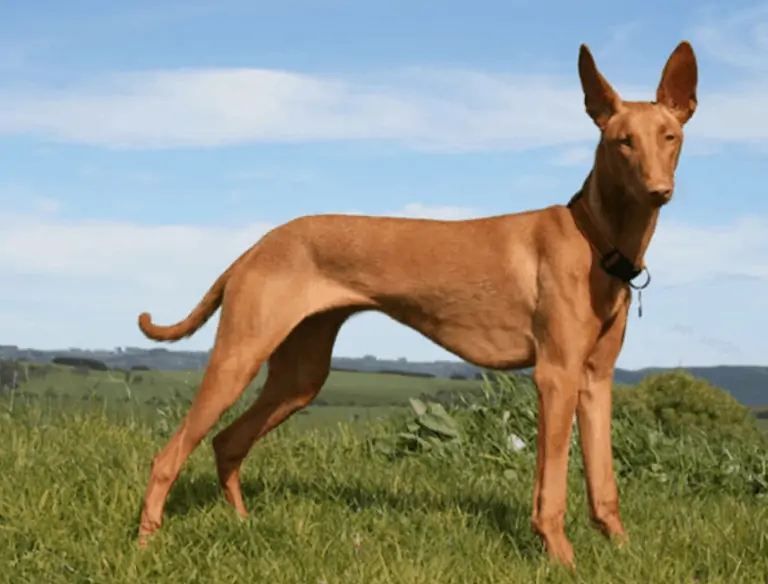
[[677, 89], [600, 98]]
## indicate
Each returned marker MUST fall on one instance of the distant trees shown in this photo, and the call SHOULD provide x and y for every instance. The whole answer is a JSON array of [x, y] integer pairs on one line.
[[93, 364], [404, 373]]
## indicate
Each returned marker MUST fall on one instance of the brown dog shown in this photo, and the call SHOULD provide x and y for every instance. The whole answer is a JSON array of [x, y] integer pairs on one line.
[[546, 288]]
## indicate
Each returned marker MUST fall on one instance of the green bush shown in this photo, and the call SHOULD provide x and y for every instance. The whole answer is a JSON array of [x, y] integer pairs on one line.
[[672, 429], [680, 404]]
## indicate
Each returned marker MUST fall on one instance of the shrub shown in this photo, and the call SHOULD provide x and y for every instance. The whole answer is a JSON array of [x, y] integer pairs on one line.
[[680, 403], [672, 429]]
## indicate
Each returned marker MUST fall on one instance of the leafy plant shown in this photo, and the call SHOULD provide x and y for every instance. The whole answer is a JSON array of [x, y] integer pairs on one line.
[[673, 429], [430, 429]]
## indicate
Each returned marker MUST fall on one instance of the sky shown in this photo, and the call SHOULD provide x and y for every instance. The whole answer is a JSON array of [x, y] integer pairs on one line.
[[145, 145]]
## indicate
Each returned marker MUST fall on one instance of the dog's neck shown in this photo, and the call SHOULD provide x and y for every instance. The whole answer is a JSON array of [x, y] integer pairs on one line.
[[626, 223]]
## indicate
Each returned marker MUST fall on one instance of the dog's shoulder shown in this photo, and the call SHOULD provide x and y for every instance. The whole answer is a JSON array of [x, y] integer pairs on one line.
[[556, 222]]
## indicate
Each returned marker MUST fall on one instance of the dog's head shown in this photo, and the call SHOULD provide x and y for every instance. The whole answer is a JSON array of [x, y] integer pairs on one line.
[[640, 142]]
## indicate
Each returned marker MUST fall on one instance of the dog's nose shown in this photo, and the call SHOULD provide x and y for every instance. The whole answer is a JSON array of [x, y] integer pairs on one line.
[[660, 193]]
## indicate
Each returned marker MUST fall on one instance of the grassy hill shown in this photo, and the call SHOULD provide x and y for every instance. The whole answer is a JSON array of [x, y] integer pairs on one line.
[[748, 384]]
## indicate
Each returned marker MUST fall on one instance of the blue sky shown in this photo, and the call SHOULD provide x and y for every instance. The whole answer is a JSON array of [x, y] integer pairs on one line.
[[145, 145]]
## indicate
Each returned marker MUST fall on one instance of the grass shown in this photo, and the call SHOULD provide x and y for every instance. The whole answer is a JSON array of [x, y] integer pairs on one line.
[[326, 508]]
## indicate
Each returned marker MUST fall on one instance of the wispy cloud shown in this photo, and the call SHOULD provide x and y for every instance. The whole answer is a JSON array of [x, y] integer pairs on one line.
[[738, 39], [46, 205], [221, 107], [445, 212], [426, 109], [721, 346], [420, 211], [682, 254], [577, 156], [621, 40]]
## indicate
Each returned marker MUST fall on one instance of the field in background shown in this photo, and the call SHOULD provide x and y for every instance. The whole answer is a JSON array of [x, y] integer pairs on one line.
[[346, 396]]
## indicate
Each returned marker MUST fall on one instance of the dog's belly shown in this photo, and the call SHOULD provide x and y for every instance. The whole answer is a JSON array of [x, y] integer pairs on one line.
[[483, 337], [492, 349]]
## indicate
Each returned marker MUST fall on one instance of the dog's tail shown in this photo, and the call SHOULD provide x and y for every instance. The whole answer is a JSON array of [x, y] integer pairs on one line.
[[197, 318]]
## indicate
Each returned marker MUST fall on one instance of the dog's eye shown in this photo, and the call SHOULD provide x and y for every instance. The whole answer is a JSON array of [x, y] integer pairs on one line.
[[669, 137], [626, 141]]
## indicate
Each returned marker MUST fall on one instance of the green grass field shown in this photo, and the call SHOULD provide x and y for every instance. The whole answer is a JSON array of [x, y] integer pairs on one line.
[[150, 388], [324, 507]]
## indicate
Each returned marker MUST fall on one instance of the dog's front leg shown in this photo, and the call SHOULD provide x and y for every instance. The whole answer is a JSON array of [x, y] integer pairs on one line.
[[557, 389], [594, 414]]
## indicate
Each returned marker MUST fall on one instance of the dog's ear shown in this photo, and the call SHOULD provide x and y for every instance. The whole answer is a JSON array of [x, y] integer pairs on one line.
[[677, 89], [600, 99]]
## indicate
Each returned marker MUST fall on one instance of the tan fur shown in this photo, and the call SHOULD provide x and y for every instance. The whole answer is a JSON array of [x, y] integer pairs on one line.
[[502, 292]]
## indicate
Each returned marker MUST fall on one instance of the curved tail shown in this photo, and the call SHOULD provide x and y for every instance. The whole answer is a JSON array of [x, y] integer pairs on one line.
[[197, 318]]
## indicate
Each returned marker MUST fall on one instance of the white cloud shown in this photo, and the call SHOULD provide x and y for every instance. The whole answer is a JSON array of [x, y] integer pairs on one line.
[[681, 254], [419, 211], [620, 39], [577, 156], [218, 107], [738, 39], [144, 255], [420, 108], [428, 108], [46, 205]]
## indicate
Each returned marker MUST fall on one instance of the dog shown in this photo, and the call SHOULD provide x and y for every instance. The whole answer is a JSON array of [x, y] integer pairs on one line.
[[548, 289]]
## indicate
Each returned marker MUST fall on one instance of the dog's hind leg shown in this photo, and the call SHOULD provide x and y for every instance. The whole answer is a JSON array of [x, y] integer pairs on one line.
[[297, 371], [244, 341], [228, 374]]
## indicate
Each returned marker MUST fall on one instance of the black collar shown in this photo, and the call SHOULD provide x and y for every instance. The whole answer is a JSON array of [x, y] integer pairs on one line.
[[612, 260]]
